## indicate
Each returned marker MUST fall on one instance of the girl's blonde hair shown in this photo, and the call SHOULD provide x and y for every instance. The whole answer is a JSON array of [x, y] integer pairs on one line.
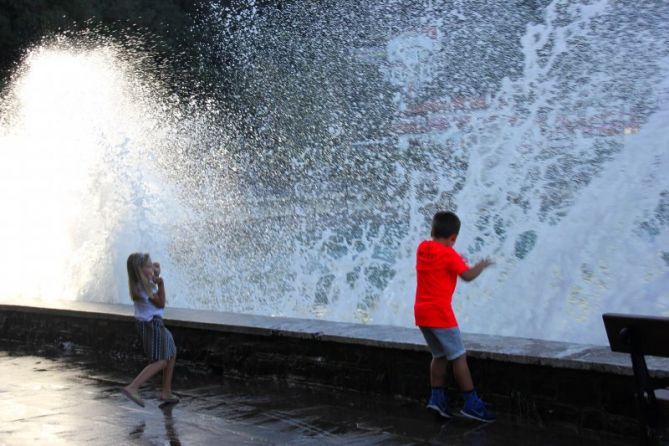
[[136, 279]]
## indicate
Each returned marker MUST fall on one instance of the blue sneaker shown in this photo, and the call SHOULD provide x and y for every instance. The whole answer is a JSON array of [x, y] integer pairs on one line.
[[439, 404], [476, 409]]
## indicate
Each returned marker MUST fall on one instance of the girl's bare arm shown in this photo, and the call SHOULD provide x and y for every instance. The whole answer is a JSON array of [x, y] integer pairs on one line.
[[159, 298]]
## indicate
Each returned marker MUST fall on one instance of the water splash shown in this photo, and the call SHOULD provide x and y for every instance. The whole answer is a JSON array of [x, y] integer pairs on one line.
[[88, 135], [512, 116], [342, 128]]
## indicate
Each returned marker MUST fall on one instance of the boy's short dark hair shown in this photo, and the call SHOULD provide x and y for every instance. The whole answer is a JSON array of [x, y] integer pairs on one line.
[[445, 224]]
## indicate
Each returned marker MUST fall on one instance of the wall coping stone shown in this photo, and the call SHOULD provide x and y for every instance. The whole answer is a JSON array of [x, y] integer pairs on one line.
[[595, 358]]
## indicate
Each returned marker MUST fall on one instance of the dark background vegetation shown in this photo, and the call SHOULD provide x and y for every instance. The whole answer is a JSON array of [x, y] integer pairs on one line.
[[167, 27]]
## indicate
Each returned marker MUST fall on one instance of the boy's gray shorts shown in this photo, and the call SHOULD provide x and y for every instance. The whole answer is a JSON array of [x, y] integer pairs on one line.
[[444, 342]]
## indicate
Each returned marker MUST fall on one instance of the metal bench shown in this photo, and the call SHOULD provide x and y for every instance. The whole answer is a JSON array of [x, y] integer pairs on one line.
[[641, 336]]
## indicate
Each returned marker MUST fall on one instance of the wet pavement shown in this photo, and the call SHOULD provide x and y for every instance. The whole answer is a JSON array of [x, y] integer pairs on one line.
[[53, 397]]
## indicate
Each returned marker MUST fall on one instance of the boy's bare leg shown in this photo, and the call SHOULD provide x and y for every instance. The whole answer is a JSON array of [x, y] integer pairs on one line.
[[461, 373], [146, 374], [166, 390], [438, 372]]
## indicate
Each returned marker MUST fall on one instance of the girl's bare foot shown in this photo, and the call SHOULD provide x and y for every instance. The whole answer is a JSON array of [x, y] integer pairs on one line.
[[132, 395], [169, 398]]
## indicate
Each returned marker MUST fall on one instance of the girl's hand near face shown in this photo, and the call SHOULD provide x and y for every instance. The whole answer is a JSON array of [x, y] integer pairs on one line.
[[159, 298]]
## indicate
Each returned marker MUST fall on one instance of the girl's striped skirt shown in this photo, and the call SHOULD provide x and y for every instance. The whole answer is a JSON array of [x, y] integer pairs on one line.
[[157, 340]]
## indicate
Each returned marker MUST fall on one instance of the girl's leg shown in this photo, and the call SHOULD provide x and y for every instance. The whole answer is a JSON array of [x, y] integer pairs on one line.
[[146, 374], [461, 374], [168, 371]]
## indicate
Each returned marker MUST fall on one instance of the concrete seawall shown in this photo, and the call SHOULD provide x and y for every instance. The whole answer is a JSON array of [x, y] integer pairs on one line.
[[584, 386]]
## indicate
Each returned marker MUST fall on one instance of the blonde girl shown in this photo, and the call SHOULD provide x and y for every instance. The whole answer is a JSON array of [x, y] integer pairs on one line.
[[147, 291]]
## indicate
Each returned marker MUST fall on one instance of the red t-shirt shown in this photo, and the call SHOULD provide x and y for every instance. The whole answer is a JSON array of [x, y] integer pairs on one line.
[[437, 270]]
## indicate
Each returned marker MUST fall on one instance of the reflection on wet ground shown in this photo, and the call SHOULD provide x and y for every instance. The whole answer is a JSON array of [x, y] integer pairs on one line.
[[64, 399]]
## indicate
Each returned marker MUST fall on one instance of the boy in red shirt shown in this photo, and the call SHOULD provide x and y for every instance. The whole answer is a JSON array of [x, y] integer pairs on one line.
[[438, 266]]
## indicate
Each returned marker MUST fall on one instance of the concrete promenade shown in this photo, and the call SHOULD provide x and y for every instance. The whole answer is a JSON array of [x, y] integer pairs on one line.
[[273, 380], [69, 396]]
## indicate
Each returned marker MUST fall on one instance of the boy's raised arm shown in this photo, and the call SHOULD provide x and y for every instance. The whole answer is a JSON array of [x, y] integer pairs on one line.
[[473, 272]]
